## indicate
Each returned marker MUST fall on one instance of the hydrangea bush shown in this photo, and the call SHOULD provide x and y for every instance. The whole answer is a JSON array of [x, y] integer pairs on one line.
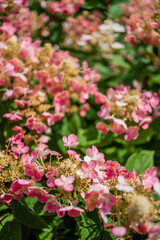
[[79, 119]]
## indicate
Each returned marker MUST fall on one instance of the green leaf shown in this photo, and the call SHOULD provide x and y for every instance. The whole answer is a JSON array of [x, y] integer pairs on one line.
[[46, 234], [75, 123], [104, 71], [120, 62], [155, 78], [140, 161], [144, 136], [26, 215], [120, 1], [115, 11], [91, 227], [26, 231], [94, 4], [88, 137], [11, 231]]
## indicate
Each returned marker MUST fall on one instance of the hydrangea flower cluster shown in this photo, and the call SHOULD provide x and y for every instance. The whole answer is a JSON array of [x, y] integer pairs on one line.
[[127, 109], [119, 195], [140, 22], [21, 20], [67, 7], [12, 5], [92, 32], [42, 83]]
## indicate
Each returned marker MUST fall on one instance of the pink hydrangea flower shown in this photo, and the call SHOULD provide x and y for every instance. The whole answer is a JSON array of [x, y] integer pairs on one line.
[[15, 139], [32, 170], [94, 154], [20, 148], [154, 233], [40, 193], [44, 139], [123, 185], [118, 231], [145, 122], [46, 115], [62, 101], [84, 109], [12, 116], [43, 76], [50, 175], [88, 170], [149, 178], [131, 133], [9, 94], [65, 182], [138, 115], [93, 194], [73, 153], [21, 186], [101, 126], [106, 201], [145, 106], [55, 118], [20, 103], [54, 153], [100, 98], [17, 129], [7, 197], [54, 206], [72, 211], [154, 100], [118, 126], [112, 169], [2, 82], [70, 141], [35, 123], [104, 112], [98, 197]]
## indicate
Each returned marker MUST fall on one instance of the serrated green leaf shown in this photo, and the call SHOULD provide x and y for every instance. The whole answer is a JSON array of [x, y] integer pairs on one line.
[[140, 161]]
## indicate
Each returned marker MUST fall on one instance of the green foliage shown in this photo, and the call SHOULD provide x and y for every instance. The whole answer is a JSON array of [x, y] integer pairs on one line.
[[144, 136], [94, 5], [26, 216], [120, 1], [115, 11], [91, 227], [155, 78], [140, 161], [11, 231], [120, 62]]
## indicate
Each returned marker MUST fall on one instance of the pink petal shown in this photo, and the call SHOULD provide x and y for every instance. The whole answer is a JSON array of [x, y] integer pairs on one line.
[[58, 182], [118, 231], [72, 137], [68, 187], [64, 138]]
